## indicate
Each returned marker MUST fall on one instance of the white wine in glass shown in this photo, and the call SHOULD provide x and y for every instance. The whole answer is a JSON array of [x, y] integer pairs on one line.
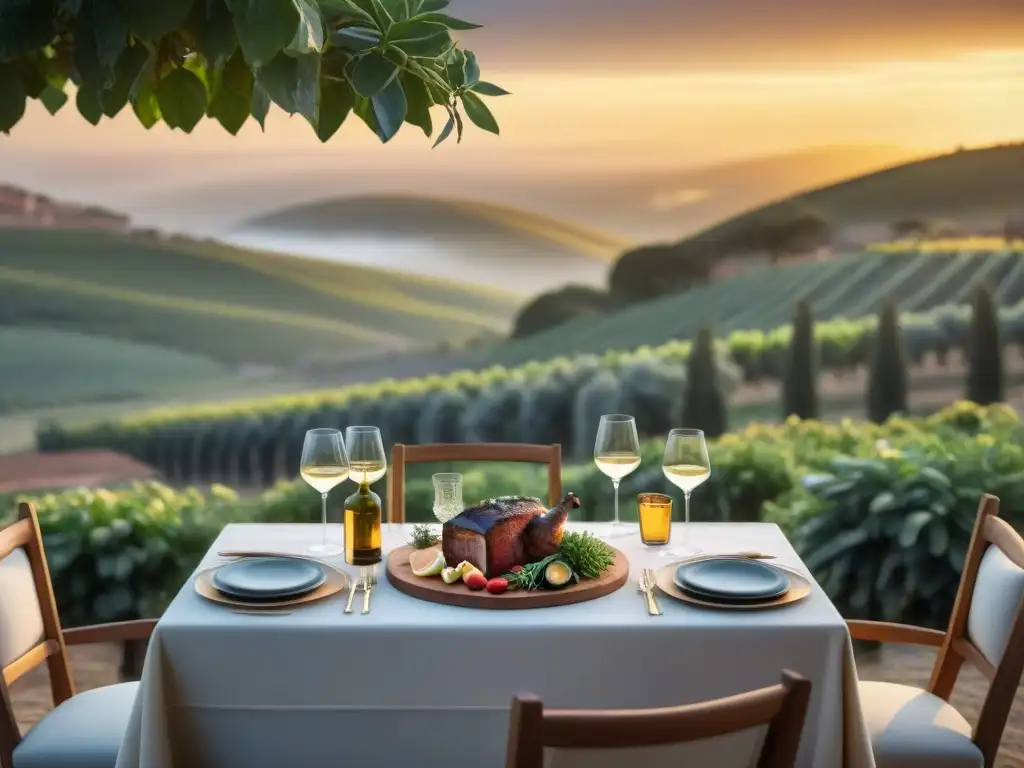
[[363, 508], [324, 465], [616, 454], [686, 465]]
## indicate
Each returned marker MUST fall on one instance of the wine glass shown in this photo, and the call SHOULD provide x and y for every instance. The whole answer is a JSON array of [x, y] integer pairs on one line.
[[447, 495], [686, 465], [324, 464], [362, 509], [617, 453]]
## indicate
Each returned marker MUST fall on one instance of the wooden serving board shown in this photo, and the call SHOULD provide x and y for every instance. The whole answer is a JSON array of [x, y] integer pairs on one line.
[[434, 590]]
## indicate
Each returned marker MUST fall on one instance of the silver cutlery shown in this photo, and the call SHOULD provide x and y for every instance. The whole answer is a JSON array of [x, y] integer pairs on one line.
[[369, 580], [356, 586], [647, 582]]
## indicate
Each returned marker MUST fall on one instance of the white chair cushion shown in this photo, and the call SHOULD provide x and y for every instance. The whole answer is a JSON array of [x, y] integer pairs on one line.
[[21, 621], [997, 594], [911, 728], [83, 732]]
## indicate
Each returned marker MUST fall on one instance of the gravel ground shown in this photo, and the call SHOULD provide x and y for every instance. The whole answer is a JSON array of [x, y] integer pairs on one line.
[[98, 665]]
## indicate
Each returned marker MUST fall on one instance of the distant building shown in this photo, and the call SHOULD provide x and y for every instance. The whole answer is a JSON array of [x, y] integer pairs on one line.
[[22, 209]]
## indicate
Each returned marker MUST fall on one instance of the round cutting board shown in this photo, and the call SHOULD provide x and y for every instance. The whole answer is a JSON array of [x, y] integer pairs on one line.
[[434, 590]]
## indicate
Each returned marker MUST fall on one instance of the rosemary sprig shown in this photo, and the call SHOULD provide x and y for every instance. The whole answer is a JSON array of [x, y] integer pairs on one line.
[[423, 536], [586, 554]]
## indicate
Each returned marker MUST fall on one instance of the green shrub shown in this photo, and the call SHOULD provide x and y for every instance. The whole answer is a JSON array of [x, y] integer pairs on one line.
[[704, 403], [601, 395], [441, 420], [985, 383], [652, 392], [887, 387], [800, 380]]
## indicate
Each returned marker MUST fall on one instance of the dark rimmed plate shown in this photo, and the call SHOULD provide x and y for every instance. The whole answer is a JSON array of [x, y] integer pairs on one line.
[[268, 578], [731, 578]]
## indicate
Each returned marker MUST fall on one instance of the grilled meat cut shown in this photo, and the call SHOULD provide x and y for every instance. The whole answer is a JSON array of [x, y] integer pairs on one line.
[[503, 532]]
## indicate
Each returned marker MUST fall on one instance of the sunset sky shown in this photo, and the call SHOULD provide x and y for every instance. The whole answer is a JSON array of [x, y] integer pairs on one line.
[[601, 89]]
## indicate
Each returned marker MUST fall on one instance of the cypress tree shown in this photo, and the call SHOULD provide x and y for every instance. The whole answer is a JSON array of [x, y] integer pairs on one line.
[[887, 386], [704, 403], [985, 383], [800, 378]]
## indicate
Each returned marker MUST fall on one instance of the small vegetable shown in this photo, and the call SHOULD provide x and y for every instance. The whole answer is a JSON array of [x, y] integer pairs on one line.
[[451, 575], [475, 580], [468, 571], [557, 574], [516, 568], [497, 585]]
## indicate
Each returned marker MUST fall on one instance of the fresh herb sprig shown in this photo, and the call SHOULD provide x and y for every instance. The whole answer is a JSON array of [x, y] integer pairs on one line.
[[531, 575], [587, 555], [423, 536]]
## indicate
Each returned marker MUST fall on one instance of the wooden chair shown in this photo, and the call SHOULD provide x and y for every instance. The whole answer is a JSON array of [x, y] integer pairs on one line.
[[911, 727], [82, 730], [421, 454], [781, 708]]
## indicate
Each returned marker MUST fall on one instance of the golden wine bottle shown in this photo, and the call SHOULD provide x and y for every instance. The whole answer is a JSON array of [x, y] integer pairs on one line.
[[362, 527]]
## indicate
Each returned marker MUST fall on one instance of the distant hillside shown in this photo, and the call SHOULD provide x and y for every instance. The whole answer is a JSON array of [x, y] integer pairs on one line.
[[477, 242], [970, 185], [763, 299], [229, 305]]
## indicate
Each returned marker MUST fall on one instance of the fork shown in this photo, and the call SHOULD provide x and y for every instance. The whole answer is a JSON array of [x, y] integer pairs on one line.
[[356, 586], [647, 587], [369, 580]]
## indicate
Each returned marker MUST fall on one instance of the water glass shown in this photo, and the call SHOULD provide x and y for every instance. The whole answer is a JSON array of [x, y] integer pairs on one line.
[[447, 495]]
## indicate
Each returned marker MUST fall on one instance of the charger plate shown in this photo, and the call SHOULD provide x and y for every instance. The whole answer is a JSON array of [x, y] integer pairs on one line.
[[800, 587], [336, 581]]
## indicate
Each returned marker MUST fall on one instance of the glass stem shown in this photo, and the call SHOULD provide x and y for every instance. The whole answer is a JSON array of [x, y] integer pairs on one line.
[[615, 484], [686, 513], [323, 503]]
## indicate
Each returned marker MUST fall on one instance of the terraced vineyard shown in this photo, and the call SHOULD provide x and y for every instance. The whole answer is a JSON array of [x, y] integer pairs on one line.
[[850, 286]]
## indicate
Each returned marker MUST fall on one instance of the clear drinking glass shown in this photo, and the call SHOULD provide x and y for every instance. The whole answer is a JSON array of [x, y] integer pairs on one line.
[[616, 454], [686, 465], [366, 455], [324, 464], [447, 495]]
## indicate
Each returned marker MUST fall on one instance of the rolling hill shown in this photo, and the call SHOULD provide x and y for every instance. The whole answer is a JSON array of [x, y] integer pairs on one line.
[[850, 286], [231, 306], [485, 243], [969, 185]]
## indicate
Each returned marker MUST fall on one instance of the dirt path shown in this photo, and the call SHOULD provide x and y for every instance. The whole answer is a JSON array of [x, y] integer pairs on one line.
[[98, 665]]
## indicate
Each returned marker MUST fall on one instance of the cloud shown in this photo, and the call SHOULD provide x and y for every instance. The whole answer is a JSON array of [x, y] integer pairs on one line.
[[669, 201], [587, 34]]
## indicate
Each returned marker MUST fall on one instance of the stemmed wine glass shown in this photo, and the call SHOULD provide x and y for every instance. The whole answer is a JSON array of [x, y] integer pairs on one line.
[[617, 453], [362, 509], [686, 465], [324, 464]]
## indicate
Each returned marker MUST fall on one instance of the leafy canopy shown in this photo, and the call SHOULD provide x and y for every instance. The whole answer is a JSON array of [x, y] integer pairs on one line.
[[177, 61]]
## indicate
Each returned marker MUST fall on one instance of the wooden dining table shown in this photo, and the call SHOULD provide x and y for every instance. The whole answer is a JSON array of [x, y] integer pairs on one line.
[[418, 683]]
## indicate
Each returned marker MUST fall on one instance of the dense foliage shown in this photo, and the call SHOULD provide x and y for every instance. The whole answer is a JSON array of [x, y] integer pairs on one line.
[[176, 61], [880, 513], [985, 384]]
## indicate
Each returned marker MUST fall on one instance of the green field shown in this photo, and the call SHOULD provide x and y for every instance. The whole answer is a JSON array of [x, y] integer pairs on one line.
[[230, 305], [849, 286]]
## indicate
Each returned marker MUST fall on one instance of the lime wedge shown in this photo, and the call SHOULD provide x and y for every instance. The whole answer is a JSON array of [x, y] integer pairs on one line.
[[427, 562]]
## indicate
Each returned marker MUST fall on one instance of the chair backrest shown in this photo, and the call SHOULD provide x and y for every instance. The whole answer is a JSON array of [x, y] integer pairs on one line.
[[30, 631], [421, 454], [782, 708], [986, 628]]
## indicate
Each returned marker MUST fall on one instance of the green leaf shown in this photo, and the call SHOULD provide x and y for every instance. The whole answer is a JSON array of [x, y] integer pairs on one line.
[[414, 29], [446, 131], [840, 543], [182, 99], [213, 27], [151, 19], [293, 83], [883, 502], [389, 107], [12, 97], [89, 106], [363, 108], [344, 11], [53, 99], [430, 6], [470, 70], [25, 25], [372, 73], [146, 108], [126, 77], [264, 27], [936, 478], [478, 112], [488, 89], [101, 34], [426, 47], [355, 38], [260, 105], [418, 103], [336, 101], [379, 13], [912, 527], [232, 97], [455, 70], [938, 538], [449, 21], [309, 37]]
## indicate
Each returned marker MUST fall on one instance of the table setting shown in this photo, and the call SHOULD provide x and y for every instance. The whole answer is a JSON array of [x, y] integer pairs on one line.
[[265, 659]]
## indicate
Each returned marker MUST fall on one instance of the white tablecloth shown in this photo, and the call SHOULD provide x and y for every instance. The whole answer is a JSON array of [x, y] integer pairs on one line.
[[416, 683]]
